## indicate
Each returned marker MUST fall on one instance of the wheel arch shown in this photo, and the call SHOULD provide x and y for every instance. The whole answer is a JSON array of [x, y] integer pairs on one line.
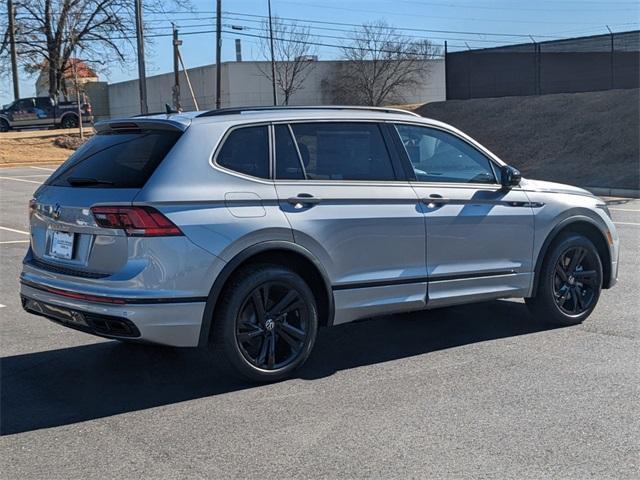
[[6, 120], [66, 114], [279, 252], [584, 225]]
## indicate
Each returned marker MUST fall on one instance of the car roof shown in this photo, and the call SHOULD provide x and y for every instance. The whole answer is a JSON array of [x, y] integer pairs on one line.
[[265, 114], [248, 115]]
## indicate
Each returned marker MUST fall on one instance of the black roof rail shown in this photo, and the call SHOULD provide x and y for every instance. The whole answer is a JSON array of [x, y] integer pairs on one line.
[[263, 108]]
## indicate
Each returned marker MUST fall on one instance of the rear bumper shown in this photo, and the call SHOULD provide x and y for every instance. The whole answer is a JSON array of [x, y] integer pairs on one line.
[[161, 322]]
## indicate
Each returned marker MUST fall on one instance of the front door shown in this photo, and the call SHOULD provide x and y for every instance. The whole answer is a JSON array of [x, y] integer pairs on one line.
[[479, 235], [341, 189], [23, 113]]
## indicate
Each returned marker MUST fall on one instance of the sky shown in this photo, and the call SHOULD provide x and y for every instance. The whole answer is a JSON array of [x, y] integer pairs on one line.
[[463, 23]]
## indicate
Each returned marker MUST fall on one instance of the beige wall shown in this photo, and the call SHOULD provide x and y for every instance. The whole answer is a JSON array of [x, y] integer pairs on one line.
[[243, 83]]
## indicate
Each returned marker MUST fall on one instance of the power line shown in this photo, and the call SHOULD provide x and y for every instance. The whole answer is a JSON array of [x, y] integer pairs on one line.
[[459, 32], [598, 7], [383, 12], [312, 27], [201, 32], [334, 37], [406, 29]]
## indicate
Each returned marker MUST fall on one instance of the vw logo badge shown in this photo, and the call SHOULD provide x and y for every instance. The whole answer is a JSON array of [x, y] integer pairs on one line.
[[56, 212]]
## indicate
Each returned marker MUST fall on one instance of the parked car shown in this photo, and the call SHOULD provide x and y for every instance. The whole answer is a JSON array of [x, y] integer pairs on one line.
[[44, 112], [244, 230]]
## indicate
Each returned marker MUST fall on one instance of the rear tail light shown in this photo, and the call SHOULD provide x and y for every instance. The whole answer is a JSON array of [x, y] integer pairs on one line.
[[33, 204], [135, 221]]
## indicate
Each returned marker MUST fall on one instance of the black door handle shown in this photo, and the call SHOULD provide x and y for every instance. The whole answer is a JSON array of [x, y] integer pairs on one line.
[[303, 199]]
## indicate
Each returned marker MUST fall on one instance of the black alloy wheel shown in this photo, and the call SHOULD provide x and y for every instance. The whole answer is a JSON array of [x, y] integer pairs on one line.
[[265, 324], [574, 281], [569, 282], [272, 326], [70, 121]]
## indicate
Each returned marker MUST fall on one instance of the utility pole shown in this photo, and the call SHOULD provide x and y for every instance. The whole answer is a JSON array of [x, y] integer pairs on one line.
[[446, 65], [612, 71], [74, 66], [12, 45], [176, 70], [273, 60], [142, 76], [218, 49]]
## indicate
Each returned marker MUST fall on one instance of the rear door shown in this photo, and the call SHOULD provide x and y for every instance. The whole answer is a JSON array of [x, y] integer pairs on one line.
[[45, 111], [110, 168], [479, 235], [345, 197]]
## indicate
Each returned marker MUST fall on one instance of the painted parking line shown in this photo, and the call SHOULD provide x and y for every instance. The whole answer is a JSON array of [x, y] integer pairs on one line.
[[30, 176], [2, 306], [7, 242], [624, 209], [44, 168], [14, 230], [626, 223], [19, 180]]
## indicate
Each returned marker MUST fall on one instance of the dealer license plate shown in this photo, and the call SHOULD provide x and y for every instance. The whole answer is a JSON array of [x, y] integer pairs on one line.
[[62, 245]]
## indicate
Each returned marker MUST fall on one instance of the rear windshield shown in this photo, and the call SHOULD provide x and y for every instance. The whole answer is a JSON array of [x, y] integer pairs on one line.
[[116, 160]]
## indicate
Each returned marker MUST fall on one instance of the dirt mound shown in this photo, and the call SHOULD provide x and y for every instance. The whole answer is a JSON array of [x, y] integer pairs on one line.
[[71, 142], [587, 139]]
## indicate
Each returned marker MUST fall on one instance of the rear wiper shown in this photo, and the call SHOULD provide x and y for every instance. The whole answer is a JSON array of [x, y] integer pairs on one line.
[[79, 181]]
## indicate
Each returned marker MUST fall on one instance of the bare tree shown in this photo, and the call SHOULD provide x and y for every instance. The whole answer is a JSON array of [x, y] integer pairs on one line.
[[380, 64], [50, 31], [293, 54]]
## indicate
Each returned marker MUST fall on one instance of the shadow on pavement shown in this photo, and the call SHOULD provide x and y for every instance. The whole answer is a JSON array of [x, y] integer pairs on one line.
[[60, 387]]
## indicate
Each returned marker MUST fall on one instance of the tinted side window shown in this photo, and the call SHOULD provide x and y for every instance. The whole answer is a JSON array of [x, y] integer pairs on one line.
[[343, 151], [43, 102], [25, 104], [246, 150], [288, 165], [437, 156], [118, 160]]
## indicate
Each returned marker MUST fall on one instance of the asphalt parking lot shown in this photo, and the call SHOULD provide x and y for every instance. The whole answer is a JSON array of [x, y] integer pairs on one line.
[[466, 392]]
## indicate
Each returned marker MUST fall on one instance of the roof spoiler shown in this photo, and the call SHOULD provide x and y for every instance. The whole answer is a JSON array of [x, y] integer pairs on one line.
[[124, 124]]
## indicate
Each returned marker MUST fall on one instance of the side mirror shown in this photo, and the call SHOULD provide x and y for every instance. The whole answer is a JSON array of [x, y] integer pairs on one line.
[[510, 176]]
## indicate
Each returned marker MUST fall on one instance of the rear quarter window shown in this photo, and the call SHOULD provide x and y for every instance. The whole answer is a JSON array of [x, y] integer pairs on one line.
[[117, 159], [246, 150]]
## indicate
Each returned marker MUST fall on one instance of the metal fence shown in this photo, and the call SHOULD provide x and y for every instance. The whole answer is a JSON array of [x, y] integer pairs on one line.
[[600, 62]]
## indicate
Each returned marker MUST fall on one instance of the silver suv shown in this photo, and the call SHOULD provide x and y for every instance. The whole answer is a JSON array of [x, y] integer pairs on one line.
[[244, 230]]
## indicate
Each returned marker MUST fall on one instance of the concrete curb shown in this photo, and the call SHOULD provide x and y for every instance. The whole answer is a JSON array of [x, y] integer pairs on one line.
[[615, 192]]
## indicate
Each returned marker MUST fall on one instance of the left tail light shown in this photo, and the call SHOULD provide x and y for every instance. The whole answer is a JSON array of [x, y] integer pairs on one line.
[[136, 221], [32, 207]]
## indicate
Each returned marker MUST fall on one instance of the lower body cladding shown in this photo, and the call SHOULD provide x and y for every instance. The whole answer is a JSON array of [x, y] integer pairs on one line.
[[364, 302], [172, 324]]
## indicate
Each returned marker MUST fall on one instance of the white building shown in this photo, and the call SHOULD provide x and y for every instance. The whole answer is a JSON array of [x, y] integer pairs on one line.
[[243, 83]]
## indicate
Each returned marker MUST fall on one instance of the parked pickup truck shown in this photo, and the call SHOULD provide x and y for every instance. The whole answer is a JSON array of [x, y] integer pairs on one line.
[[42, 112]]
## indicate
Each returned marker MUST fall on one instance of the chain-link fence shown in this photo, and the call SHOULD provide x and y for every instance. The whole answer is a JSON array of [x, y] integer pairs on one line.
[[583, 64]]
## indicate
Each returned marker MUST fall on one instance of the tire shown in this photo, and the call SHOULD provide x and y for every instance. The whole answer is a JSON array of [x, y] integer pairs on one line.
[[4, 125], [69, 121], [569, 282], [266, 323]]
